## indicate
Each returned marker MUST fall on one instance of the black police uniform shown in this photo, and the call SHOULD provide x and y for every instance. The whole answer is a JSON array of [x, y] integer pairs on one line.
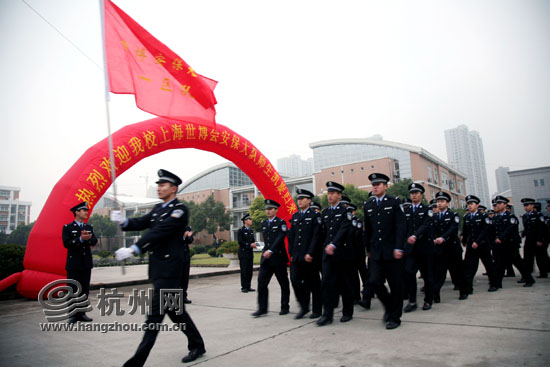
[[505, 225], [303, 239], [385, 227], [476, 229], [359, 256], [274, 234], [245, 237], [338, 269], [448, 255], [533, 224], [165, 243], [420, 255], [79, 256], [186, 264]]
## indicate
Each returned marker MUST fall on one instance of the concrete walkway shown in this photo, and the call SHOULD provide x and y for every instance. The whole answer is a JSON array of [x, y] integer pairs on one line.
[[510, 327]]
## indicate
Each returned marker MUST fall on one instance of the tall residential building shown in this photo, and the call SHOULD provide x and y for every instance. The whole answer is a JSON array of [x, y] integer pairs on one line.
[[13, 212], [465, 153], [294, 166], [503, 182]]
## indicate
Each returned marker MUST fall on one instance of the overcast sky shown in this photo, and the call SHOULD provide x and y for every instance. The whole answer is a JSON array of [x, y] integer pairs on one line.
[[289, 73]]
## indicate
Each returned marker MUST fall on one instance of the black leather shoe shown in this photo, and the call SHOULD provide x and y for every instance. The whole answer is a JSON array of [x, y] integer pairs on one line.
[[346, 318], [187, 301], [251, 290], [521, 281], [193, 354], [427, 306], [244, 290], [410, 307], [392, 325], [437, 299], [259, 313], [301, 314], [492, 289], [314, 315], [365, 303], [72, 320], [386, 317], [529, 284], [283, 312], [463, 297], [471, 291], [324, 320], [85, 318]]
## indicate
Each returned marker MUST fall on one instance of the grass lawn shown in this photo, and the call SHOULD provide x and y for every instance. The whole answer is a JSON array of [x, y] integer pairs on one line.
[[205, 259]]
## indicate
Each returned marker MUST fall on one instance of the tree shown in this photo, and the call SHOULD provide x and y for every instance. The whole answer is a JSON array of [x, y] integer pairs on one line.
[[103, 227], [3, 237], [400, 189], [210, 215], [20, 235], [257, 212]]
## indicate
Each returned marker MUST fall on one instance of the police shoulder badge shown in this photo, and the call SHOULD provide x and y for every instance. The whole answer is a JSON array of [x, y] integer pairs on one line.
[[513, 220], [177, 213], [430, 213], [487, 220], [457, 219], [359, 225], [283, 227], [319, 220], [354, 223], [350, 216], [541, 218]]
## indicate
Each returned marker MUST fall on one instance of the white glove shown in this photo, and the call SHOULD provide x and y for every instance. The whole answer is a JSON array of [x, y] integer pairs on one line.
[[117, 216], [123, 253]]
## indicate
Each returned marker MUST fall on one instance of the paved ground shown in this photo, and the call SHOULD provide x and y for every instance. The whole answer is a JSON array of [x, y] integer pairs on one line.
[[510, 327]]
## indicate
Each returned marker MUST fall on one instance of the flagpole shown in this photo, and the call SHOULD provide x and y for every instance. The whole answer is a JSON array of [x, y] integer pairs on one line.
[[108, 117]]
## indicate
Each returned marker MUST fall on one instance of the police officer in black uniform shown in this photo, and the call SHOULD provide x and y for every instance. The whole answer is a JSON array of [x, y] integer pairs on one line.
[[385, 226], [338, 269], [475, 234], [303, 241], [274, 259], [448, 252], [164, 241], [360, 256], [419, 249], [247, 244], [77, 238], [505, 246], [533, 231]]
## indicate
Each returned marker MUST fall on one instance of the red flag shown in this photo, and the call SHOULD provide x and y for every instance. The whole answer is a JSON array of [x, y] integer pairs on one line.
[[163, 84]]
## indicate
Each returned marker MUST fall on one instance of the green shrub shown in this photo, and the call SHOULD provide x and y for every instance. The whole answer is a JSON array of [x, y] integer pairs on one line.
[[11, 259], [104, 254], [229, 247], [212, 252], [191, 252], [200, 249]]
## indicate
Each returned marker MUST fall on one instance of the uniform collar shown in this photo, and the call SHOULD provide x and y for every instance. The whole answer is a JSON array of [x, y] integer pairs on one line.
[[166, 204]]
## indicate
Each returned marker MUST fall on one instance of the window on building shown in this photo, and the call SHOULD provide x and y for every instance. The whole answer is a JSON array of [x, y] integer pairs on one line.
[[362, 168], [541, 181], [351, 170], [536, 183], [4, 208], [332, 173]]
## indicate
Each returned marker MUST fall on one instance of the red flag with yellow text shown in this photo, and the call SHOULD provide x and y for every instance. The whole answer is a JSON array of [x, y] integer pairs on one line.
[[162, 82]]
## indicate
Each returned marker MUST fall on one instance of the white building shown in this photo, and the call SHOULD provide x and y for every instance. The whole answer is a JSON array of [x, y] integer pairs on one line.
[[503, 182], [294, 166], [465, 153], [13, 212], [531, 183]]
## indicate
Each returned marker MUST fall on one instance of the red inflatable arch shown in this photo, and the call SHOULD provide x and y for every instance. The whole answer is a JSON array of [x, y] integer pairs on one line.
[[89, 178]]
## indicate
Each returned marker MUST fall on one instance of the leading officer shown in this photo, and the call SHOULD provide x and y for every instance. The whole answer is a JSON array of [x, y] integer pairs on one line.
[[385, 227], [164, 241]]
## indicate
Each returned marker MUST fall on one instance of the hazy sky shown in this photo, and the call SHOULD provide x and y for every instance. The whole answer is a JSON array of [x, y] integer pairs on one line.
[[289, 73]]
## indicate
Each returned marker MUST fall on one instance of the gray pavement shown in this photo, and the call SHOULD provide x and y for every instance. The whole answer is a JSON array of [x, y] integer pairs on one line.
[[510, 327]]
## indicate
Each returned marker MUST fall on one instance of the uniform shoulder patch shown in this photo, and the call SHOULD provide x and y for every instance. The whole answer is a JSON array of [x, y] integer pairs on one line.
[[430, 213], [457, 219], [354, 223], [283, 227], [350, 216], [177, 213], [541, 218], [319, 220], [359, 225], [513, 220], [488, 220]]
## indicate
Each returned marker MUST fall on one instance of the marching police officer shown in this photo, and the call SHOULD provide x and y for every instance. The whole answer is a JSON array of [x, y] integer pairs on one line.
[[303, 241], [247, 244], [505, 246], [337, 258], [274, 259], [77, 238], [475, 233], [448, 252], [165, 242], [419, 250], [385, 227], [533, 231]]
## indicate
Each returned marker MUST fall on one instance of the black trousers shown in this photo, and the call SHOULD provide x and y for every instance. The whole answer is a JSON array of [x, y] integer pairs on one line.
[[194, 339], [532, 251], [421, 259], [338, 275], [392, 271], [511, 253], [247, 265], [305, 281], [264, 277], [449, 258], [500, 264], [471, 263], [360, 277], [185, 276], [83, 277]]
